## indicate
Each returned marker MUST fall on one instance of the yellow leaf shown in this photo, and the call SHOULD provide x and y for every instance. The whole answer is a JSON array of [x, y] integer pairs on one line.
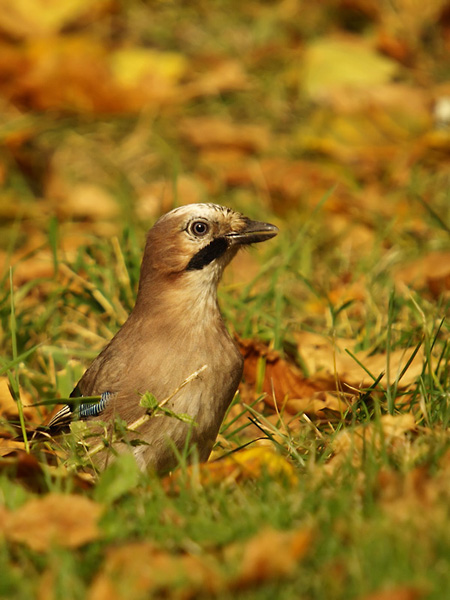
[[343, 62], [260, 459], [130, 66]]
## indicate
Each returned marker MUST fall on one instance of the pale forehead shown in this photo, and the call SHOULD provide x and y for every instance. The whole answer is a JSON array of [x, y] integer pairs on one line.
[[208, 211]]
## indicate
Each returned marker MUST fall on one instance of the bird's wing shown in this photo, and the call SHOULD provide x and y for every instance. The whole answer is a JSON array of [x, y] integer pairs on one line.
[[63, 418]]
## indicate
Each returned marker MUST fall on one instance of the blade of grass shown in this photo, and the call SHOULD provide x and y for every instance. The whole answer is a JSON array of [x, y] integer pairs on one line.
[[433, 214], [376, 379], [20, 358], [389, 395], [13, 376]]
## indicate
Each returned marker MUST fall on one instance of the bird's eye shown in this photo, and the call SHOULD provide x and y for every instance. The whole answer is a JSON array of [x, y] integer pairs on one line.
[[199, 228]]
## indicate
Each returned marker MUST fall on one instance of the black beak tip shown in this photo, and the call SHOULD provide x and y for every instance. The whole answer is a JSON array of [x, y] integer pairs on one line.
[[254, 232]]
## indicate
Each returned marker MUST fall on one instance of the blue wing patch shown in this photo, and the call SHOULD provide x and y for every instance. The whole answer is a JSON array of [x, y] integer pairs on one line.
[[93, 410], [63, 418]]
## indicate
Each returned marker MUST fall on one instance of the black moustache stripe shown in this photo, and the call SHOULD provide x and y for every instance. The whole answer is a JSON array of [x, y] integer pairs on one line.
[[206, 255]]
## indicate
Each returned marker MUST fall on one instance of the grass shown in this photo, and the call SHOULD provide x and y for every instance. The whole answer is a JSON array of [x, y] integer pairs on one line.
[[371, 493], [379, 518]]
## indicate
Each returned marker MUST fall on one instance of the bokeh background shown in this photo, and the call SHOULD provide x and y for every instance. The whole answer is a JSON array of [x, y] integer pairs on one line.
[[112, 112], [330, 119]]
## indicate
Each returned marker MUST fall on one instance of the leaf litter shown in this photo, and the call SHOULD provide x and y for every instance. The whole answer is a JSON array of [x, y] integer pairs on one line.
[[360, 111]]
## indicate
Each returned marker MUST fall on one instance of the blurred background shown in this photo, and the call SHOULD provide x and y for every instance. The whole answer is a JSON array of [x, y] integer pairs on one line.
[[330, 118]]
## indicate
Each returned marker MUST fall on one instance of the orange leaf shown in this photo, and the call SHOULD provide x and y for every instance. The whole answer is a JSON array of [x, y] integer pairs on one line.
[[220, 133], [140, 570], [269, 555], [398, 593], [65, 520], [282, 379]]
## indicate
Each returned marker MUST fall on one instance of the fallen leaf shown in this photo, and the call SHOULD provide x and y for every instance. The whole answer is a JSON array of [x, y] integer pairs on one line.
[[132, 66], [281, 381], [40, 265], [8, 406], [352, 443], [34, 18], [213, 132], [431, 271], [319, 404], [350, 62], [141, 570], [217, 76], [397, 593], [79, 73], [269, 555], [328, 358], [418, 497], [65, 520], [7, 447], [250, 463], [84, 200]]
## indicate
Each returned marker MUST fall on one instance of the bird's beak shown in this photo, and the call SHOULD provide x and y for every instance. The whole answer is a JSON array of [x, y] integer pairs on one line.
[[254, 232]]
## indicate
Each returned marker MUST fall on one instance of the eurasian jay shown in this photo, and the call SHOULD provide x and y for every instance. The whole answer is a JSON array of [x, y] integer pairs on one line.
[[174, 344]]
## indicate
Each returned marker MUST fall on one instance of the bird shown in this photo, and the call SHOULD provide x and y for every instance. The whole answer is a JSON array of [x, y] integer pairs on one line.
[[174, 345]]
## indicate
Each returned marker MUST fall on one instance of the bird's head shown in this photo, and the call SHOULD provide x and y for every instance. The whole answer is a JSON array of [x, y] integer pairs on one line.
[[195, 243]]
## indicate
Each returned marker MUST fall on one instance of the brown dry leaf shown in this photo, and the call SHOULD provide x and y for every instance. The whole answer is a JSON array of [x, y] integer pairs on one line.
[[369, 127], [408, 19], [282, 381], [418, 497], [79, 73], [291, 183], [8, 407], [320, 404], [65, 520], [221, 75], [387, 98], [214, 132], [7, 447], [431, 271], [269, 555], [391, 430], [141, 570], [397, 593], [39, 266], [25, 467], [87, 200], [329, 359]]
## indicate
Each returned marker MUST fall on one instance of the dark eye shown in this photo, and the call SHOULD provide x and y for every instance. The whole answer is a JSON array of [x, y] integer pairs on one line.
[[199, 228]]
